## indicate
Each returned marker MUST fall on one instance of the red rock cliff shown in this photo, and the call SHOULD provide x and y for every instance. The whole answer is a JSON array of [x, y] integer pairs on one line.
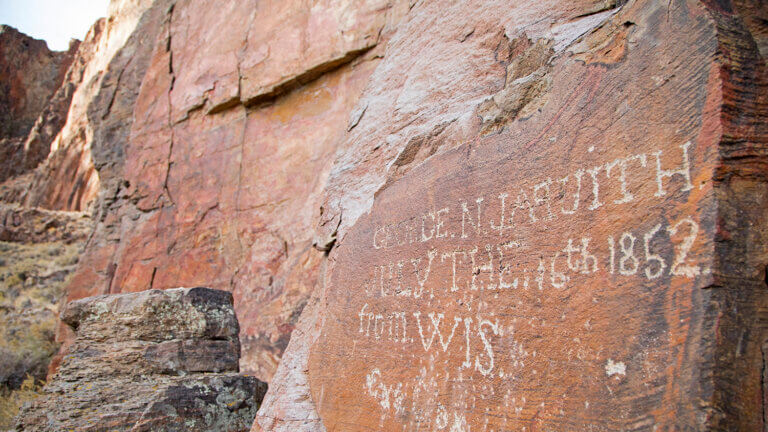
[[29, 75], [442, 215]]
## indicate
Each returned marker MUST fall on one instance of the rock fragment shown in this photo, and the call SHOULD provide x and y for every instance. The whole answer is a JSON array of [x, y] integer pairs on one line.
[[149, 361]]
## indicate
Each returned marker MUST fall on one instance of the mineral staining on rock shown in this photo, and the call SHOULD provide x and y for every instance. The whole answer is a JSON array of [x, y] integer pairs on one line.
[[484, 294], [149, 361], [561, 267], [209, 179], [432, 215], [30, 75]]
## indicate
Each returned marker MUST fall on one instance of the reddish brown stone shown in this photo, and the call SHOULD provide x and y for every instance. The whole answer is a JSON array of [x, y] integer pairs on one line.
[[225, 196], [50, 121], [88, 149], [29, 75], [277, 150], [469, 292]]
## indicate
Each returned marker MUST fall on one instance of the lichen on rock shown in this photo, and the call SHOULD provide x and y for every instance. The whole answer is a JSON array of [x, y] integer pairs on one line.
[[149, 361]]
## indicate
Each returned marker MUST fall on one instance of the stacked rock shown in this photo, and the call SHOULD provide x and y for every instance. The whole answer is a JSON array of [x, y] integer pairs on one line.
[[149, 361]]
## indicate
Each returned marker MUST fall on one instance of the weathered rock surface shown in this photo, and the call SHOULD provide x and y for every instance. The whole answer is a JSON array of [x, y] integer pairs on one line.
[[47, 126], [542, 215], [149, 361], [12, 155], [549, 217], [30, 74], [101, 86], [202, 181], [25, 225]]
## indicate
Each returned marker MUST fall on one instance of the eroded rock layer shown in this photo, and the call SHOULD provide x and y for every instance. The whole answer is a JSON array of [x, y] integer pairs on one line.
[[30, 74], [550, 216], [438, 215], [217, 177], [150, 361]]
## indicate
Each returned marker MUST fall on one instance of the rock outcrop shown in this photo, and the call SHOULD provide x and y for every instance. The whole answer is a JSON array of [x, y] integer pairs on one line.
[[438, 215], [30, 74], [210, 179], [549, 216], [47, 126], [35, 225], [100, 114], [39, 250], [149, 361]]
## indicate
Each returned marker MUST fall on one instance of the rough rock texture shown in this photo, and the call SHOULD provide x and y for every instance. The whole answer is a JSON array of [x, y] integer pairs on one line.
[[12, 155], [538, 215], [47, 126], [149, 361], [29, 75], [550, 216], [25, 225], [197, 180], [103, 83]]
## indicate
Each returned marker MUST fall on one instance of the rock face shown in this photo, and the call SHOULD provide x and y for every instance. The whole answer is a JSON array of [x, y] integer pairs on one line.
[[47, 126], [208, 178], [441, 215], [99, 116], [549, 217], [150, 361], [29, 75]]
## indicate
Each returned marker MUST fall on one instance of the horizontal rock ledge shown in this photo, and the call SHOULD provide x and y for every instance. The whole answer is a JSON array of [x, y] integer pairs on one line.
[[153, 360]]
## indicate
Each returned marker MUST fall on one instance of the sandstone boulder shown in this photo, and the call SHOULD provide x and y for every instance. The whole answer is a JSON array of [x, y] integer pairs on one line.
[[149, 361]]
